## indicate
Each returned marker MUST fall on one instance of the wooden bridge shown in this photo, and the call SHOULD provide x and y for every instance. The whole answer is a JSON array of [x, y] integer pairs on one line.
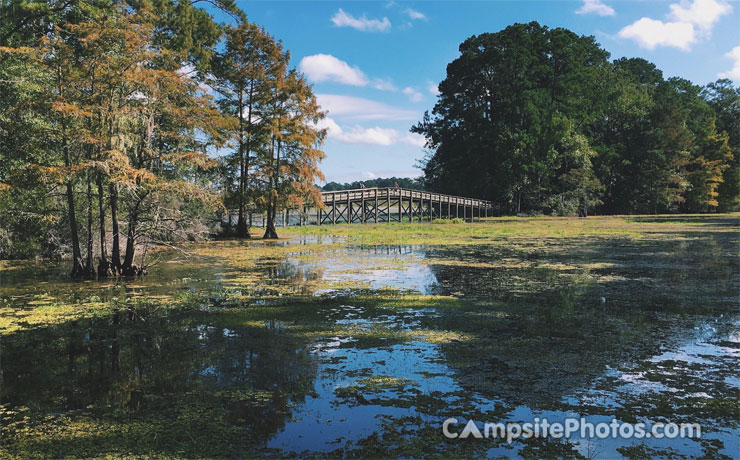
[[375, 205]]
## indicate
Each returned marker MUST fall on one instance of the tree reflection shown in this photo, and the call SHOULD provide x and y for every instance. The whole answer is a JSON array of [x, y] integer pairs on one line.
[[545, 323], [142, 366]]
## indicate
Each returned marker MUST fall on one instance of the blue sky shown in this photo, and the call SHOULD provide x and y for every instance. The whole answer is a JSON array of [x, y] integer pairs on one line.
[[375, 65]]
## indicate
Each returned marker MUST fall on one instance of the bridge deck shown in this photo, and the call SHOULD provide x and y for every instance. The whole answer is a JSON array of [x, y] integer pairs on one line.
[[380, 205], [370, 193]]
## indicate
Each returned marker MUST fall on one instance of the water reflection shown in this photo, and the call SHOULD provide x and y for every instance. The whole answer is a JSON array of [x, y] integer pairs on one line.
[[637, 329], [140, 366]]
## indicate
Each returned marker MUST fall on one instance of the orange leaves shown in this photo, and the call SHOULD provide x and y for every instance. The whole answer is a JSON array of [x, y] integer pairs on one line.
[[141, 176], [191, 159], [54, 174], [70, 109], [21, 50]]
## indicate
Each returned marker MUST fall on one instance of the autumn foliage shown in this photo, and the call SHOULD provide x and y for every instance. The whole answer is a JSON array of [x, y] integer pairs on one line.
[[131, 125]]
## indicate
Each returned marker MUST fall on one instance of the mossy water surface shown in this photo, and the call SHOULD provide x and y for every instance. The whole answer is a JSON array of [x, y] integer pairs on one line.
[[360, 340]]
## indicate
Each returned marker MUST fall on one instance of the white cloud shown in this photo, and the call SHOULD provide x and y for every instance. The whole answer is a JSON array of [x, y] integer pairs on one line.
[[433, 88], [702, 13], [414, 96], [649, 33], [595, 7], [369, 136], [414, 139], [363, 109], [325, 67], [384, 85], [686, 23], [734, 72], [413, 14], [342, 19], [331, 126]]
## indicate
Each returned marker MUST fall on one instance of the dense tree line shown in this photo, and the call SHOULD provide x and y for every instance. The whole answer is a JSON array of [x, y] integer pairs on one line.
[[124, 124], [379, 182], [540, 120]]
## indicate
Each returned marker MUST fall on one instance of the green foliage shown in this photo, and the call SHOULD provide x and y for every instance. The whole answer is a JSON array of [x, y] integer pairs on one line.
[[403, 182], [724, 99], [109, 123], [518, 104]]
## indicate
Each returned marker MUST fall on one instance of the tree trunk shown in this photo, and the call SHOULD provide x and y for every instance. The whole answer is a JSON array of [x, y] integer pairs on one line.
[[116, 249], [242, 229], [129, 268], [89, 272], [78, 269], [104, 265], [518, 202], [270, 232]]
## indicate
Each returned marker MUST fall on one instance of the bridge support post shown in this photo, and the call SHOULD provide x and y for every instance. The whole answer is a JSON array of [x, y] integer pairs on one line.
[[400, 207], [431, 207], [333, 209], [411, 206], [422, 210], [376, 206]]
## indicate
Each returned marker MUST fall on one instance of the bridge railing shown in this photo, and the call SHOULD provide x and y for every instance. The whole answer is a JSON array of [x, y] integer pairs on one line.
[[390, 192], [387, 204]]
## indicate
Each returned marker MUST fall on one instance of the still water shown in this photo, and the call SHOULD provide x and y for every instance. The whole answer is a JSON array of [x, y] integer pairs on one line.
[[299, 348]]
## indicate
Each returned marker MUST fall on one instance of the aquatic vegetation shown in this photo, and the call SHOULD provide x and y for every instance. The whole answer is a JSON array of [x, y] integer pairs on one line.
[[246, 348]]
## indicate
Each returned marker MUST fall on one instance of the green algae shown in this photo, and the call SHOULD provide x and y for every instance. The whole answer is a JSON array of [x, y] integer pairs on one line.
[[516, 314]]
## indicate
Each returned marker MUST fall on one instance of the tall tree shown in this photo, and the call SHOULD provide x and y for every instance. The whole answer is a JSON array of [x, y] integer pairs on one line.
[[29, 222], [724, 99], [517, 104], [241, 75], [288, 166], [495, 124]]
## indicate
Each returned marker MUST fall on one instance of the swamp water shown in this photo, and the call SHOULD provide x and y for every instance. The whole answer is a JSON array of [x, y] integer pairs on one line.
[[315, 346]]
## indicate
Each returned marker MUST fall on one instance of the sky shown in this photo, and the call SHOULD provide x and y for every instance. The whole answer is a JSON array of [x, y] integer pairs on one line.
[[375, 65]]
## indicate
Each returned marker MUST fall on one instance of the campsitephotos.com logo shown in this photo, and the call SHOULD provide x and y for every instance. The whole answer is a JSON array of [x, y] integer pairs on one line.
[[571, 427]]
